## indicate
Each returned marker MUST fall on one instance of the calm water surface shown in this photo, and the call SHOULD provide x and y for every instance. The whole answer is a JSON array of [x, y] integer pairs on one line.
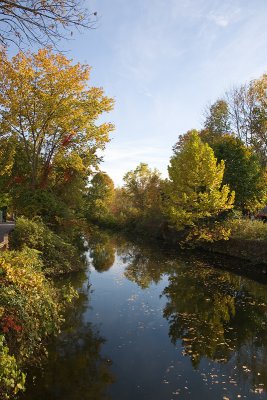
[[157, 326]]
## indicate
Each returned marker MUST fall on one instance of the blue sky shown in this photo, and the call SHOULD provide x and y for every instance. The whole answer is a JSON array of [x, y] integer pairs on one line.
[[163, 61]]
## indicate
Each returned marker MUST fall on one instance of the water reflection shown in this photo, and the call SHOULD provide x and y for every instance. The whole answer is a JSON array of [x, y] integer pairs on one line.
[[142, 268], [102, 251], [175, 326], [75, 369], [216, 315]]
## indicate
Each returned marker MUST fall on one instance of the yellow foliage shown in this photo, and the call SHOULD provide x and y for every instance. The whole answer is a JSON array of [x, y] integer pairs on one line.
[[47, 107], [195, 188]]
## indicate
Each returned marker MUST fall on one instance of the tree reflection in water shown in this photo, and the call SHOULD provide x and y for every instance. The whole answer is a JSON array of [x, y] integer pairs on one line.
[[215, 314], [102, 251], [75, 369], [143, 265], [219, 316]]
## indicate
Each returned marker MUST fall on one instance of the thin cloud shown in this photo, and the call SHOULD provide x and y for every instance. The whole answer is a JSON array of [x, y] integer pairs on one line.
[[219, 20]]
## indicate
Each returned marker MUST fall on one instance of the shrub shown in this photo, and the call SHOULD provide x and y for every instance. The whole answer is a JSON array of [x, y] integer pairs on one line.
[[12, 380], [57, 254], [247, 229], [29, 303], [30, 311]]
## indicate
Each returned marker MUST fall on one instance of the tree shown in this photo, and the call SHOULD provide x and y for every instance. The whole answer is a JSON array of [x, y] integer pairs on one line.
[[195, 191], [248, 115], [241, 102], [99, 197], [243, 172], [217, 121], [50, 114], [41, 21], [143, 187], [259, 122]]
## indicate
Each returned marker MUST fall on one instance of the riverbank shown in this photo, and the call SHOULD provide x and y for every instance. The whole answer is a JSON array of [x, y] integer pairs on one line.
[[254, 251], [32, 304], [247, 241]]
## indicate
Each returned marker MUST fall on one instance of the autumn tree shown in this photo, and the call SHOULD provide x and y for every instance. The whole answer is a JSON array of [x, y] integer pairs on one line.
[[42, 22], [50, 114], [241, 103], [99, 197], [195, 191], [243, 172], [259, 121], [7, 151], [143, 187], [248, 115], [217, 121]]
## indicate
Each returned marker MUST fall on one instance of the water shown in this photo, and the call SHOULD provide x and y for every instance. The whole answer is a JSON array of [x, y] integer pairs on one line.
[[157, 326]]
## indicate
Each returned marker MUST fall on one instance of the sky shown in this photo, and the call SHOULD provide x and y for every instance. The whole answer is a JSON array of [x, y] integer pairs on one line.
[[163, 61]]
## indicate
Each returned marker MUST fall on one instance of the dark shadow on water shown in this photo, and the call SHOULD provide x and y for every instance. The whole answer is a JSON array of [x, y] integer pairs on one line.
[[75, 368]]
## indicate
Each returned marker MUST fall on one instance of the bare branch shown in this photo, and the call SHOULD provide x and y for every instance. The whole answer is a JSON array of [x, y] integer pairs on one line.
[[42, 21]]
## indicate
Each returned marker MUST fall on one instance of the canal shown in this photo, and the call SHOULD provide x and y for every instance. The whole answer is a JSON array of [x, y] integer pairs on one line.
[[150, 324]]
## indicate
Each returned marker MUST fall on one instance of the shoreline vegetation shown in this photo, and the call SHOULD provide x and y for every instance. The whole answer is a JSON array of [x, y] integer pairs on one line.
[[32, 304], [237, 246], [50, 178], [49, 143]]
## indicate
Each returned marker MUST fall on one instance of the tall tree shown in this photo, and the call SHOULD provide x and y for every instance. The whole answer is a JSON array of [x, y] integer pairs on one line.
[[259, 122], [241, 102], [41, 21], [248, 115], [50, 113], [143, 186], [243, 172], [217, 121], [99, 197], [195, 190]]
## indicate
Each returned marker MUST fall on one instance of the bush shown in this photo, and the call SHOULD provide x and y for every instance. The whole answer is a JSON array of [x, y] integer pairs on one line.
[[12, 380], [29, 304], [57, 254], [247, 229], [30, 311]]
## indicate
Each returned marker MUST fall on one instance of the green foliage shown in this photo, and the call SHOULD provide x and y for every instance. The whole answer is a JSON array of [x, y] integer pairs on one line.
[[259, 119], [243, 172], [57, 254], [49, 132], [195, 191], [29, 304], [40, 202], [142, 185], [99, 198], [30, 312], [141, 196], [246, 229], [243, 113], [12, 380]]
